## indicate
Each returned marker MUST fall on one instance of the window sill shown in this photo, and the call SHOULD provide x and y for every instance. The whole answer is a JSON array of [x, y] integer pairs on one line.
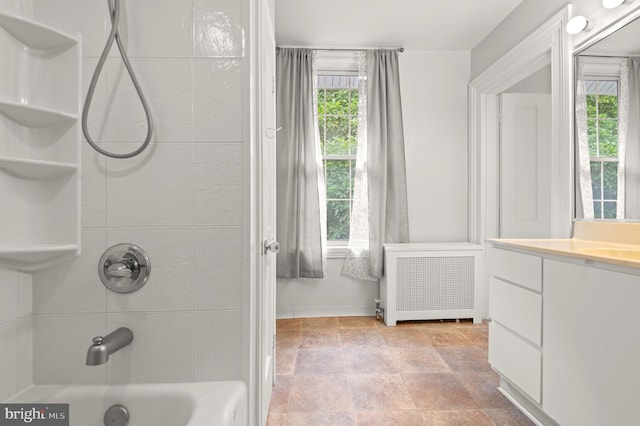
[[337, 252]]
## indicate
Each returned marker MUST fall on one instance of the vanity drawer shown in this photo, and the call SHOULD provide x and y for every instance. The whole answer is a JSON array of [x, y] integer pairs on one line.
[[517, 360], [522, 269], [516, 308]]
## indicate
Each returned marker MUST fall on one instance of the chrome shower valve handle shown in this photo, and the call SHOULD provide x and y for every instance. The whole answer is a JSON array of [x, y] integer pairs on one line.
[[124, 268]]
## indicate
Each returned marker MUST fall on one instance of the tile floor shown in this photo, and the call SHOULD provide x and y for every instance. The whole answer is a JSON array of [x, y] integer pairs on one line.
[[356, 371]]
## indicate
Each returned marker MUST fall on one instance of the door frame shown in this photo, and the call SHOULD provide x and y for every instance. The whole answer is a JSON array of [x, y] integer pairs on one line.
[[547, 45], [267, 187], [252, 237]]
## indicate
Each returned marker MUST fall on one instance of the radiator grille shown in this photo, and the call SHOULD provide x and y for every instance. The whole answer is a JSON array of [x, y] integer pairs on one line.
[[434, 283]]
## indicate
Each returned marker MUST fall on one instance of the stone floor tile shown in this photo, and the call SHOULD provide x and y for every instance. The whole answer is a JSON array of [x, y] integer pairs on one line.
[[379, 392], [389, 418], [368, 361], [325, 393], [456, 418], [320, 361], [418, 360], [439, 391]]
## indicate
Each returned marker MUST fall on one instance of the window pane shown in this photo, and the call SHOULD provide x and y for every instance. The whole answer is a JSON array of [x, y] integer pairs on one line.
[[321, 101], [597, 210], [608, 106], [608, 137], [596, 177], [353, 176], [592, 131], [353, 104], [338, 122], [591, 106], [338, 220], [609, 210], [337, 102], [610, 181], [337, 142], [321, 132], [338, 178]]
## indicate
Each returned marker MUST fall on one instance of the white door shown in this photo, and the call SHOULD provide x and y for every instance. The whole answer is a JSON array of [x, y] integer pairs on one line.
[[525, 166], [267, 196]]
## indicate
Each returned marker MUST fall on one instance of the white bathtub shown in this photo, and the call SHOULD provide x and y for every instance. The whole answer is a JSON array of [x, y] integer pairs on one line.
[[166, 404]]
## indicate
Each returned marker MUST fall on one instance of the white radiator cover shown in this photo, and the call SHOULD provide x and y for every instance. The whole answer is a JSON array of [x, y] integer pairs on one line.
[[425, 281]]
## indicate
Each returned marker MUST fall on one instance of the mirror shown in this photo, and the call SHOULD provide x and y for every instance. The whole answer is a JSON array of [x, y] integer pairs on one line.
[[607, 127]]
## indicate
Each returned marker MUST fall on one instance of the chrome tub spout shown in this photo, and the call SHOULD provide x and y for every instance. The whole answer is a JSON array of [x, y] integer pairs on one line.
[[102, 347]]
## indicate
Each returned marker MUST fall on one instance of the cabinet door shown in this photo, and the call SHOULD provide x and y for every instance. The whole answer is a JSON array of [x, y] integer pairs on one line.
[[591, 345], [517, 360], [516, 308], [522, 269]]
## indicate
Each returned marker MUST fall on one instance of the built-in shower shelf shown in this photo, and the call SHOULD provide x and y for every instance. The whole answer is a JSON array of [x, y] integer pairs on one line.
[[34, 116], [33, 257], [40, 150], [34, 34], [36, 169]]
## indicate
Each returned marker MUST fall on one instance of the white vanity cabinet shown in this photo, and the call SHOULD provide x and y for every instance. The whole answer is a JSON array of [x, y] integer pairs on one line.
[[563, 336], [591, 345], [39, 144], [515, 308]]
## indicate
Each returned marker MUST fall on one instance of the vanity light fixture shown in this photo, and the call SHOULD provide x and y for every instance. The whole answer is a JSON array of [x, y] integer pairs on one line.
[[577, 24], [612, 4]]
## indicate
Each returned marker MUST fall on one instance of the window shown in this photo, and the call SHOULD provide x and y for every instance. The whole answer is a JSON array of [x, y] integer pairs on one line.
[[602, 130], [338, 124]]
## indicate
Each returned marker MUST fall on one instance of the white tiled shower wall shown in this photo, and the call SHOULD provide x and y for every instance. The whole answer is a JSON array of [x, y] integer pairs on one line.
[[180, 200], [16, 331]]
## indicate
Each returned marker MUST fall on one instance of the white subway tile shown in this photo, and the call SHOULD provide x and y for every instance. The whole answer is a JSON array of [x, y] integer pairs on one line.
[[218, 184], [170, 284], [25, 294], [218, 344], [166, 84], [8, 295], [73, 286], [161, 351], [94, 187], [152, 189], [87, 17], [18, 7], [218, 268], [217, 100], [60, 348], [25, 352], [156, 28], [97, 112], [8, 359], [217, 28]]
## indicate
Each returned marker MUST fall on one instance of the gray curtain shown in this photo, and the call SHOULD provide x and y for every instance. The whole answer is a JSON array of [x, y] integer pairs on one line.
[[632, 155], [388, 215], [299, 221]]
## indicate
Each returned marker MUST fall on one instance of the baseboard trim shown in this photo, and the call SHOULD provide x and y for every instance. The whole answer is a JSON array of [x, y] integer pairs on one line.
[[283, 312]]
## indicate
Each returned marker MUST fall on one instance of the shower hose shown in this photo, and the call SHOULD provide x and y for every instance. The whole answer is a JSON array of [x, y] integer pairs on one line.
[[114, 13]]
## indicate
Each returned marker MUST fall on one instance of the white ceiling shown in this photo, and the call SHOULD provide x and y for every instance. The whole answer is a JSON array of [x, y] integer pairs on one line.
[[413, 24]]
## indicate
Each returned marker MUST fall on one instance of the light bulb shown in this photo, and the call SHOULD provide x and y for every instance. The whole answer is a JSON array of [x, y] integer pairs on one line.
[[577, 24], [611, 4]]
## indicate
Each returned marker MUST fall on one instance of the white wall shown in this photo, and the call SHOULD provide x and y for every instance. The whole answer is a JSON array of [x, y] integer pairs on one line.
[[335, 295], [538, 82], [524, 20], [434, 107], [181, 201]]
